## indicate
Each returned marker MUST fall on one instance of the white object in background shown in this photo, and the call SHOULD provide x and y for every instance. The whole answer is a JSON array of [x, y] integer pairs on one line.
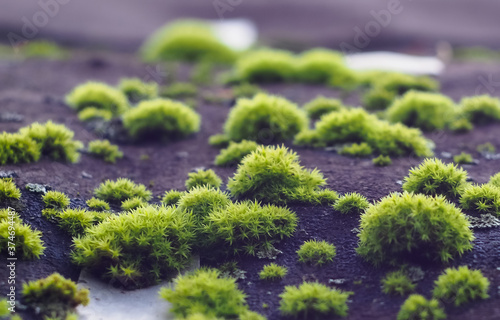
[[397, 62], [238, 34]]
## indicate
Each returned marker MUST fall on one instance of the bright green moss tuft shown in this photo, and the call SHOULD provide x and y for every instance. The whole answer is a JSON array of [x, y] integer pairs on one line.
[[351, 203], [416, 307], [186, 40], [461, 286], [480, 109], [97, 95], [266, 65], [463, 158], [219, 140], [172, 197], [54, 297], [97, 204], [132, 204], [316, 252], [258, 227], [495, 180], [136, 90], [378, 99], [273, 271], [180, 90], [105, 150], [8, 191], [161, 118], [42, 49], [137, 249], [55, 200], [461, 125], [235, 152], [400, 83], [265, 119], [17, 148], [404, 226], [273, 174], [28, 242], [91, 114], [382, 161], [200, 201], [321, 106], [77, 221], [427, 111], [397, 282], [481, 199], [120, 190], [203, 178], [323, 66], [54, 140], [313, 301], [357, 150], [433, 177]]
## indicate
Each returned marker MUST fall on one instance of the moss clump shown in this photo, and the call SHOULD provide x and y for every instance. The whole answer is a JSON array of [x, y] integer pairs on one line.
[[186, 40], [54, 140], [105, 150], [17, 148], [273, 271], [357, 126], [316, 252], [378, 99], [397, 282], [219, 140], [400, 83], [55, 200], [321, 106], [97, 95], [77, 221], [132, 204], [382, 161], [323, 66], [481, 199], [235, 152], [161, 119], [357, 150], [245, 90], [91, 114], [418, 307], [403, 226], [274, 174], [205, 292], [427, 111], [463, 158], [180, 90], [313, 301], [200, 201], [97, 204], [27, 242], [461, 125], [120, 190], [266, 65], [54, 296], [138, 248], [461, 286], [480, 109], [136, 90], [8, 191], [172, 197], [265, 119], [351, 203], [256, 226], [433, 177], [486, 148], [495, 180], [203, 178]]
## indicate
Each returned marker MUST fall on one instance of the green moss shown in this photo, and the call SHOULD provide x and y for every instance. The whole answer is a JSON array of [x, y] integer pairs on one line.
[[323, 66], [480, 109], [316, 252], [382, 161], [219, 140], [495, 180], [418, 307], [180, 90], [17, 148], [313, 301], [4, 308], [136, 90], [461, 125], [407, 225], [172, 197], [161, 119], [266, 65], [77, 221], [97, 95], [481, 199], [265, 119], [351, 203], [136, 249], [55, 200], [27, 242], [245, 90], [433, 177], [273, 271], [120, 190], [54, 296], [378, 99], [202, 72], [321, 106], [357, 150], [205, 291], [132, 204], [97, 204], [203, 178], [105, 150], [200, 201], [486, 148], [397, 282], [427, 111], [8, 191], [461, 286], [186, 40], [54, 140], [258, 227], [91, 114], [235, 152], [400, 83], [273, 174], [357, 126], [463, 158]]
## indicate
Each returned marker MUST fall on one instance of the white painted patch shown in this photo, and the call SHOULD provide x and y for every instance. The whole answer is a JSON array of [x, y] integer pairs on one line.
[[238, 34]]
